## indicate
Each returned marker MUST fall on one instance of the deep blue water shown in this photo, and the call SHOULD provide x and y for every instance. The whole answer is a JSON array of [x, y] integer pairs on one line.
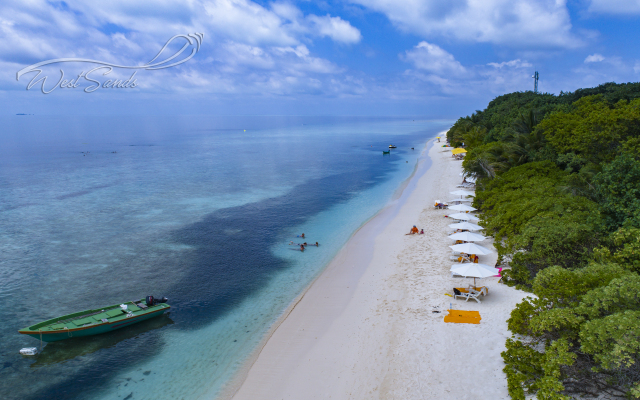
[[99, 210]]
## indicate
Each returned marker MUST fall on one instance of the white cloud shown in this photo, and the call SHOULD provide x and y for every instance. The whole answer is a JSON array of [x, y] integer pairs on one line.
[[594, 58], [624, 7], [247, 46], [532, 23], [513, 63], [439, 74], [336, 28], [432, 58]]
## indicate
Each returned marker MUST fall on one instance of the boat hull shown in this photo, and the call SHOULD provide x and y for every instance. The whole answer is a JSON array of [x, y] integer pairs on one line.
[[94, 322], [92, 330]]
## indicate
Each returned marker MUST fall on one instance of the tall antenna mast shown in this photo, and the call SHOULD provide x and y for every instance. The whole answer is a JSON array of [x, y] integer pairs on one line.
[[535, 84]]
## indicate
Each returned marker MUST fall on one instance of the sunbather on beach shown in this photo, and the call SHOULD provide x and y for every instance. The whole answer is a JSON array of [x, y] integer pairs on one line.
[[413, 230], [422, 231]]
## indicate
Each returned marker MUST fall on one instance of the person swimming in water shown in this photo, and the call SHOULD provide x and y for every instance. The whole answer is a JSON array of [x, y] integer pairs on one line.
[[301, 236], [302, 247]]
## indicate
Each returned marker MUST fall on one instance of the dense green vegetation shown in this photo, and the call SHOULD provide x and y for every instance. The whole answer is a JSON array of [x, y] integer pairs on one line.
[[559, 189]]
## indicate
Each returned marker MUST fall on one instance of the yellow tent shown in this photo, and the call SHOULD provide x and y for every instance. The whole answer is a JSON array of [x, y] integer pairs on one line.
[[458, 150]]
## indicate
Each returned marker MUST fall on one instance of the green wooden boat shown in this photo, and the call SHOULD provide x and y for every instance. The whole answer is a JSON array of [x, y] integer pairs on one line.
[[93, 322]]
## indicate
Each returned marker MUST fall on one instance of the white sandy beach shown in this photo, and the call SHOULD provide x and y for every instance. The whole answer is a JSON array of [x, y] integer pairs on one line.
[[365, 329]]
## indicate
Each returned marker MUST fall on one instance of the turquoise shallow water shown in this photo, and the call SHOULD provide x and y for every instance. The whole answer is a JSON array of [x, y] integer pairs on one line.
[[95, 211]]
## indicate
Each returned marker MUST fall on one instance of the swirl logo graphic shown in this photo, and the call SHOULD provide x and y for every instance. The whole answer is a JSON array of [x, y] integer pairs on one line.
[[192, 41]]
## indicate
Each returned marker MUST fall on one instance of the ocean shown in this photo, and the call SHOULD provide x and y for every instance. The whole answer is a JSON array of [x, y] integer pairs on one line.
[[99, 210]]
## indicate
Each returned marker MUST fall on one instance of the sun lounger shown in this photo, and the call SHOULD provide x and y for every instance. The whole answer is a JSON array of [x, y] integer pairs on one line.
[[483, 289], [460, 258], [470, 295]]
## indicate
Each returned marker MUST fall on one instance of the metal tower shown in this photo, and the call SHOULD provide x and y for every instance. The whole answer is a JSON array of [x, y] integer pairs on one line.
[[535, 85]]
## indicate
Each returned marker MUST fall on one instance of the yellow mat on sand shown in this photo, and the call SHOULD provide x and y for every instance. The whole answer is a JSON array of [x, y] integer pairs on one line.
[[463, 317]]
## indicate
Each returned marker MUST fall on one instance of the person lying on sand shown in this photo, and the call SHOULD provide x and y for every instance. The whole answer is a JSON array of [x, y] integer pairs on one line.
[[413, 230]]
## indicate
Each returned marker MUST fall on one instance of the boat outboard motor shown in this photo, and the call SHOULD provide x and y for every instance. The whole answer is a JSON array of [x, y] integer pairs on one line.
[[152, 301]]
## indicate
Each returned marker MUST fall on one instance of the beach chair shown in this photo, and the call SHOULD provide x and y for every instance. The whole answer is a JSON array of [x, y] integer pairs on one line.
[[482, 289], [470, 294], [460, 258]]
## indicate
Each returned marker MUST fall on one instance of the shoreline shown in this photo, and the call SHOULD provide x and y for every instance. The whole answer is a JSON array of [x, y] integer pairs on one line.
[[234, 385], [364, 328]]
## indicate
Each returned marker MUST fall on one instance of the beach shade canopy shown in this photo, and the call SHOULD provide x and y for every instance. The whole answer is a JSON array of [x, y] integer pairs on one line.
[[462, 207], [467, 237], [458, 150], [464, 217], [462, 193], [466, 225], [473, 270], [461, 200], [471, 248]]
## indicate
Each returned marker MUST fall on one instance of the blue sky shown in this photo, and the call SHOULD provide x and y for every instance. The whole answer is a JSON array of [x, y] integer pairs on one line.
[[432, 58]]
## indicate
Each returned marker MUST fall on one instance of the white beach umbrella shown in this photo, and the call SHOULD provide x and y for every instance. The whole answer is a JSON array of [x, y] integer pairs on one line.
[[471, 248], [467, 226], [467, 237], [473, 270], [463, 193], [460, 200], [464, 217], [462, 207]]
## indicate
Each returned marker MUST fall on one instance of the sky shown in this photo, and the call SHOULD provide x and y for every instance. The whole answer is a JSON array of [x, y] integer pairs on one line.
[[431, 58]]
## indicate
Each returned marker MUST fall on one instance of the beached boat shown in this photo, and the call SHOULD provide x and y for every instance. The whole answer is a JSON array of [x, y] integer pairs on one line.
[[101, 320]]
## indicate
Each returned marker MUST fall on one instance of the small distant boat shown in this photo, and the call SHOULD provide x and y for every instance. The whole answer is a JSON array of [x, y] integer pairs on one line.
[[386, 152], [94, 322], [392, 146]]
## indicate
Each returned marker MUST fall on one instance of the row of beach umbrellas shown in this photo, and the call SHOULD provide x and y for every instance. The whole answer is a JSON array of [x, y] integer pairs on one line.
[[469, 270]]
